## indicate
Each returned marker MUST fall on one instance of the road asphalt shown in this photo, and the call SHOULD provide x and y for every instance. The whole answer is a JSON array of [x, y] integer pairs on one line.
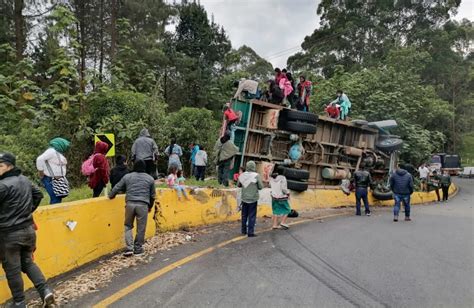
[[344, 262]]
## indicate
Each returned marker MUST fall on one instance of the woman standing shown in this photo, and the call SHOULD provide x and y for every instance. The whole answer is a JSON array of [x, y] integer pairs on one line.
[[280, 206], [445, 182], [174, 152], [99, 179], [52, 163]]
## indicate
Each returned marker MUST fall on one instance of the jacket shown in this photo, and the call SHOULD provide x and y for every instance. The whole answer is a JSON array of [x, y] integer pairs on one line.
[[138, 187], [19, 198], [362, 179], [279, 188], [117, 173], [401, 182], [201, 158], [101, 165], [144, 148], [226, 151], [445, 180], [251, 183], [57, 162]]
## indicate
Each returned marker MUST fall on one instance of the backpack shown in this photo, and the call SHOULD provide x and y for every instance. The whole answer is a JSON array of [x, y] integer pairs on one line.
[[87, 167]]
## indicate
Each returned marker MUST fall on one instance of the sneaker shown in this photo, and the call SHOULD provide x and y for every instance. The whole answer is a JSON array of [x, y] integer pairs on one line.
[[138, 252], [252, 235], [395, 218], [407, 219], [358, 214], [367, 214], [48, 299], [19, 304], [285, 226], [128, 253]]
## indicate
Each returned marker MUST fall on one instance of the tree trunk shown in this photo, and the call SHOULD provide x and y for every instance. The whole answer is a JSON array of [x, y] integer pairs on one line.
[[82, 31], [19, 28], [101, 34], [113, 29]]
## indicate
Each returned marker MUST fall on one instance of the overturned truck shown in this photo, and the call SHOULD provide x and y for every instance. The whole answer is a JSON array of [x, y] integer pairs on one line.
[[313, 151]]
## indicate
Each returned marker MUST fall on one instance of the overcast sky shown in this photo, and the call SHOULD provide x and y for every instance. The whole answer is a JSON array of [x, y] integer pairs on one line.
[[275, 29]]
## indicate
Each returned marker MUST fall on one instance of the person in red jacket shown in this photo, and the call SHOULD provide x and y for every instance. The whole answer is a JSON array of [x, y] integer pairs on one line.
[[332, 110], [99, 179]]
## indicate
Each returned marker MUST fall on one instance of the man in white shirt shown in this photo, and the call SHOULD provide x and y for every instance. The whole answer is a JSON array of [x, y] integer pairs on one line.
[[424, 173], [200, 161], [248, 86]]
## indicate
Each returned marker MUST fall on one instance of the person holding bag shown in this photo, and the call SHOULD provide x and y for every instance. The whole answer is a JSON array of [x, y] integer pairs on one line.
[[51, 166], [280, 194]]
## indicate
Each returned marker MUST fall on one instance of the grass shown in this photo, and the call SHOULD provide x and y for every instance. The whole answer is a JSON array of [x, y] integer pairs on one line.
[[467, 151], [84, 192]]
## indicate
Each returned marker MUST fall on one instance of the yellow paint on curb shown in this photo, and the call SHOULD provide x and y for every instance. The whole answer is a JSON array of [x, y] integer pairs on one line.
[[145, 280]]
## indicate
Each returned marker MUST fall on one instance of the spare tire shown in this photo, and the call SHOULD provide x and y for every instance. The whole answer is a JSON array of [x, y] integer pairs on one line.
[[295, 115], [389, 144], [297, 185], [380, 195], [296, 174], [299, 127]]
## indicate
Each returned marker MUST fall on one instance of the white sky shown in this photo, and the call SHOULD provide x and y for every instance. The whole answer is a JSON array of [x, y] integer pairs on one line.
[[275, 29]]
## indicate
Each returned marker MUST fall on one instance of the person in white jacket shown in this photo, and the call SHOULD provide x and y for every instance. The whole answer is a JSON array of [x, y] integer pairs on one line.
[[200, 161], [52, 163], [280, 194]]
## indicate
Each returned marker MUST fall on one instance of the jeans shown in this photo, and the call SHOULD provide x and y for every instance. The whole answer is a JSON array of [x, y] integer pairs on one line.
[[98, 189], [48, 185], [181, 190], [249, 212], [138, 210], [230, 129], [406, 202], [361, 193], [16, 255], [200, 173], [223, 172], [445, 190]]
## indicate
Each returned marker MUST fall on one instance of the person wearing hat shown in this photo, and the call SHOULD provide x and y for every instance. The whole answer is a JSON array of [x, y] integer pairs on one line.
[[52, 163], [19, 198]]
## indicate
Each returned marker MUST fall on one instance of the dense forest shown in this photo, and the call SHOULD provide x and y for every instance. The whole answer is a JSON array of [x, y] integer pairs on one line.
[[73, 68]]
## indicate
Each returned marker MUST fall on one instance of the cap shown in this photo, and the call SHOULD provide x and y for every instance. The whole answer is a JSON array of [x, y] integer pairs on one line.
[[7, 158]]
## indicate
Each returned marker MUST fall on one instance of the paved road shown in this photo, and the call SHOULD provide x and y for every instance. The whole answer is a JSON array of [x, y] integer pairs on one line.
[[344, 262]]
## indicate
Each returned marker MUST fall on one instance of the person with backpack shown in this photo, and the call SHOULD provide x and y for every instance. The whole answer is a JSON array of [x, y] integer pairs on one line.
[[250, 182], [100, 177], [19, 198], [119, 171], [145, 148], [140, 193], [51, 166]]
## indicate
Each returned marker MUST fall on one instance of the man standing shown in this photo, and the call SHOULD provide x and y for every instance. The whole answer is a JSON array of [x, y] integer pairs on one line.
[[401, 183], [201, 163], [250, 182], [194, 149], [362, 181], [424, 172], [145, 148], [18, 199], [304, 92]]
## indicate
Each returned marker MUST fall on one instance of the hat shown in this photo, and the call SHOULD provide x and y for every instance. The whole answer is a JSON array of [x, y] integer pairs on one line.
[[7, 158]]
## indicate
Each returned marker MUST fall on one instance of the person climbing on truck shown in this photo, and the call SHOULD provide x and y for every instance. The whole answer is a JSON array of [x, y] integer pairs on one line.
[[224, 150], [286, 88], [246, 88], [278, 75], [332, 110], [304, 93], [344, 103], [231, 119], [274, 94]]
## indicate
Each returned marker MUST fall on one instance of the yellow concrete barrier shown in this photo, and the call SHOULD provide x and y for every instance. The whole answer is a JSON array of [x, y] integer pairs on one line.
[[96, 225]]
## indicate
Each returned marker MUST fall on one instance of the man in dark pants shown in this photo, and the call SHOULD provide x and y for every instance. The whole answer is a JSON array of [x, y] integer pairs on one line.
[[18, 199], [401, 183], [145, 148], [225, 151], [362, 181], [251, 183]]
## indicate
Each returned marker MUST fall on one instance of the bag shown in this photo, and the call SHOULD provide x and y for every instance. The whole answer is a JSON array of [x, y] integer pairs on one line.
[[293, 214], [60, 183], [87, 167]]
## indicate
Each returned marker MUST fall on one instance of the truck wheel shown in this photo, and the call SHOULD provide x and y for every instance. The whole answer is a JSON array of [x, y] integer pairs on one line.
[[296, 185], [389, 144], [295, 115], [300, 127], [380, 195], [296, 174]]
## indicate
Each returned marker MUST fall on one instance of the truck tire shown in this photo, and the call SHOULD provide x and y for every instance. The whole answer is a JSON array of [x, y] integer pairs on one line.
[[389, 144], [300, 127], [297, 185], [301, 116], [380, 195], [296, 174]]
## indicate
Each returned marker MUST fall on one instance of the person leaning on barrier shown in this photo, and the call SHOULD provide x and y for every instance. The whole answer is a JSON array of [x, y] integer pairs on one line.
[[19, 198]]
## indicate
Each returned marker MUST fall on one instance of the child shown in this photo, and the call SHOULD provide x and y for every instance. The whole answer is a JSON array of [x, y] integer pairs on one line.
[[176, 181], [139, 187], [120, 169], [251, 183]]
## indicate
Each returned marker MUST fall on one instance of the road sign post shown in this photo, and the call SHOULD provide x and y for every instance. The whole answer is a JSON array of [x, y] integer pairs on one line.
[[109, 139]]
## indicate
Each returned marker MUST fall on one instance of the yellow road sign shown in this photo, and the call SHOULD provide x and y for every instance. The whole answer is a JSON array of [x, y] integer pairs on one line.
[[109, 139]]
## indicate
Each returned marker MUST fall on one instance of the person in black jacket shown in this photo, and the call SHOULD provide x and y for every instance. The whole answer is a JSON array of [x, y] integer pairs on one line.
[[120, 169], [19, 198], [362, 181], [401, 183]]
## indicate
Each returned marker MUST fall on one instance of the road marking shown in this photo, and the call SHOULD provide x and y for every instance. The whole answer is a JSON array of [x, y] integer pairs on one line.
[[145, 280]]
